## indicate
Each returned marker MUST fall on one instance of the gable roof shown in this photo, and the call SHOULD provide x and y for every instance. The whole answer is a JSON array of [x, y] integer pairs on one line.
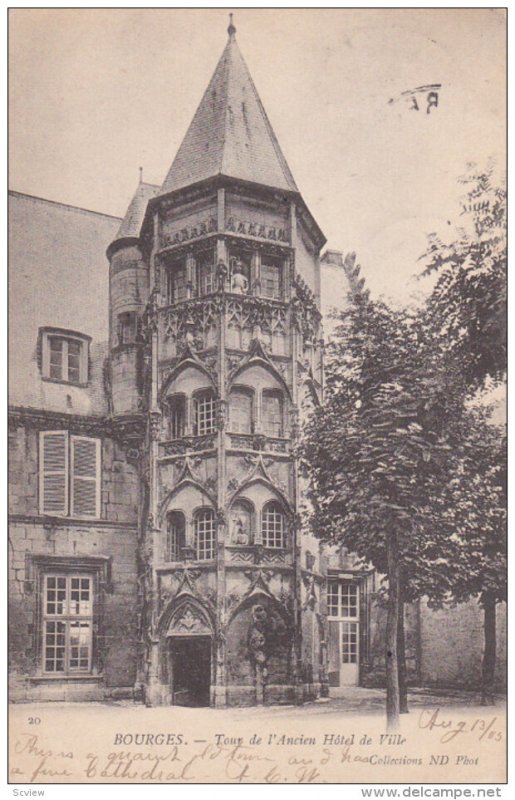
[[230, 133]]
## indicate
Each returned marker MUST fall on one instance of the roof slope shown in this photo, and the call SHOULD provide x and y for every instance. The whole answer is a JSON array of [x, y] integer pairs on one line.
[[131, 223], [230, 133]]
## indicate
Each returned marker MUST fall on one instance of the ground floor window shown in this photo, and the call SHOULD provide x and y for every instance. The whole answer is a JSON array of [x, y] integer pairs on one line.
[[67, 624]]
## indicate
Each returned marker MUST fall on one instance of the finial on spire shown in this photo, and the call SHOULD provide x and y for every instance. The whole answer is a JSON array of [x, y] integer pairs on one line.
[[231, 30], [141, 174]]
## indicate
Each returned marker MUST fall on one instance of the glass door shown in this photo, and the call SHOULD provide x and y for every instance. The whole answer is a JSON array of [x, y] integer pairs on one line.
[[343, 615]]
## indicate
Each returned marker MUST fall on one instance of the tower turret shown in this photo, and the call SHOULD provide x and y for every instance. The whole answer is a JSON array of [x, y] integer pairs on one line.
[[234, 329], [128, 296]]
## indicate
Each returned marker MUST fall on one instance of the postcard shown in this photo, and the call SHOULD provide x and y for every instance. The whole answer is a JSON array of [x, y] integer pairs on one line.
[[257, 447]]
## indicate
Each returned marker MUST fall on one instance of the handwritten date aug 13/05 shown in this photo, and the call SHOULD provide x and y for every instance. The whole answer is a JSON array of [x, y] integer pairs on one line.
[[483, 729]]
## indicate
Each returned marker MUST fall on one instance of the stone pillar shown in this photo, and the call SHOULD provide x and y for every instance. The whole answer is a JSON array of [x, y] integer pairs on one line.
[[220, 209], [219, 693], [191, 276], [296, 524]]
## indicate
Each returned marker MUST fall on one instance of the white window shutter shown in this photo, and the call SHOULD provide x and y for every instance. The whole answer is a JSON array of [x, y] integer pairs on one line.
[[53, 473], [85, 472]]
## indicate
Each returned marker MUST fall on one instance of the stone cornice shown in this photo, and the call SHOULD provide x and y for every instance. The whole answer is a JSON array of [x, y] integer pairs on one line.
[[128, 427], [70, 522]]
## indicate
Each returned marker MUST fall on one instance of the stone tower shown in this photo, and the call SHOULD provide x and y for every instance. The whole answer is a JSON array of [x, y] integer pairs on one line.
[[231, 590]]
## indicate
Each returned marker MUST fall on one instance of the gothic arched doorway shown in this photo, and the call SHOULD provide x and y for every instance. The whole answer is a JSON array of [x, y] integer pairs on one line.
[[189, 644]]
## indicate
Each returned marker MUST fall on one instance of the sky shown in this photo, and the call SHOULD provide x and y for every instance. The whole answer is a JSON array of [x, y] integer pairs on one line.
[[97, 93]]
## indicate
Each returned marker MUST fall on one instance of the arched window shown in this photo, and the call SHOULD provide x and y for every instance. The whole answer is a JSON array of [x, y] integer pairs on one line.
[[272, 413], [175, 535], [205, 534], [204, 408], [176, 408], [272, 525], [241, 411]]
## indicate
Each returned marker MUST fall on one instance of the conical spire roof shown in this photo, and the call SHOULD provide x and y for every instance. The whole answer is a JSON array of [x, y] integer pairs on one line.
[[230, 133], [131, 223]]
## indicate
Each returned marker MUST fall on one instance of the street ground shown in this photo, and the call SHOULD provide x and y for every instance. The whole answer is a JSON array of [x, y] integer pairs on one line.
[[349, 701]]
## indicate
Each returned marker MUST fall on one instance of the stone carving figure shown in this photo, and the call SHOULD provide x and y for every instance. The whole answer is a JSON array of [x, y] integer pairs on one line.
[[239, 281], [240, 527]]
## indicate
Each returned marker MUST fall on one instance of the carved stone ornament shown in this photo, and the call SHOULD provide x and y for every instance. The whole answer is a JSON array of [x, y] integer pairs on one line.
[[240, 526], [222, 414], [188, 621], [189, 444], [155, 425], [221, 274], [186, 234], [256, 229]]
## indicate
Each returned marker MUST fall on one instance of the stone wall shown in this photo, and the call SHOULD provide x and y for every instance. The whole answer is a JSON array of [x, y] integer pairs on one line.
[[452, 646], [105, 548]]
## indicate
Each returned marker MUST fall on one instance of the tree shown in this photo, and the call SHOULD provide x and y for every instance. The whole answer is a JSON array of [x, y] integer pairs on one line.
[[475, 501], [466, 313], [376, 452], [467, 306]]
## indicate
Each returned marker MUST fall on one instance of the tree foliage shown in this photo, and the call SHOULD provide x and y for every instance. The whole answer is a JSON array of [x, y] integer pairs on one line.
[[403, 470], [379, 449], [468, 303]]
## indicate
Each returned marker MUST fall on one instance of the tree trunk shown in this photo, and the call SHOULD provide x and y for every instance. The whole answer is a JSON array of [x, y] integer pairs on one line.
[[401, 661], [487, 686], [392, 618]]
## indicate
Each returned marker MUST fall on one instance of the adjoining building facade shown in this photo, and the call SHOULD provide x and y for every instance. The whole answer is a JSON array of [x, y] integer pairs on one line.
[[156, 538]]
